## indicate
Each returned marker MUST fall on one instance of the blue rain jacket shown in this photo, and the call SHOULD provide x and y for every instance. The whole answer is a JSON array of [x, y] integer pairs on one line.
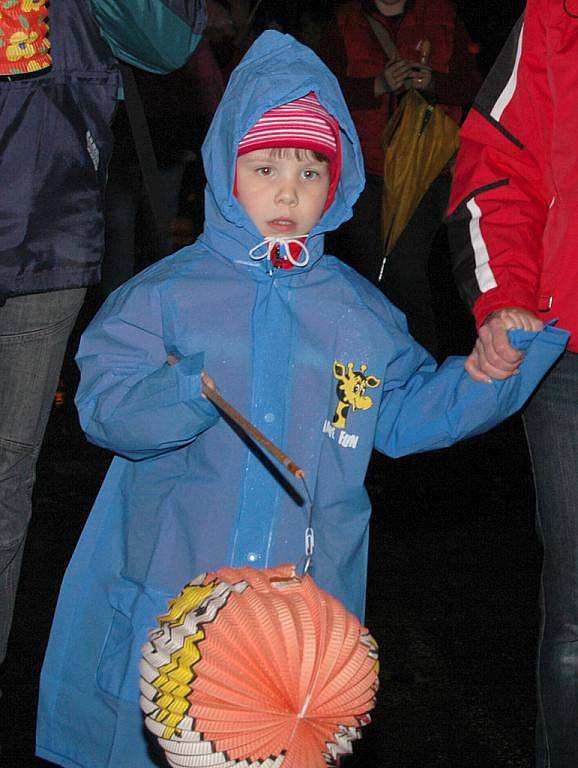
[[316, 357]]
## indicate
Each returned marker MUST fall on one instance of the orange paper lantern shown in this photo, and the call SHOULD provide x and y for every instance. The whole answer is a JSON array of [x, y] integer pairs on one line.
[[257, 669]]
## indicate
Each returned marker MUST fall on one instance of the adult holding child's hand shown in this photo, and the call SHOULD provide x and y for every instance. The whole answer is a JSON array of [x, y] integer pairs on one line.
[[513, 230], [493, 357]]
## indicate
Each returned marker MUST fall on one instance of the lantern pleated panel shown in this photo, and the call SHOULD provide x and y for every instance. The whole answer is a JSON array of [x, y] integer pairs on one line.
[[257, 669]]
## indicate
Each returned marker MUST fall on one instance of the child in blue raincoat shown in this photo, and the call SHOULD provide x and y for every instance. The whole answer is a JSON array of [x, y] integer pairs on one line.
[[306, 348]]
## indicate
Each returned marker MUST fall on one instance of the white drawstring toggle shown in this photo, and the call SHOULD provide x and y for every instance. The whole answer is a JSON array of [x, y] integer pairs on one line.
[[265, 248]]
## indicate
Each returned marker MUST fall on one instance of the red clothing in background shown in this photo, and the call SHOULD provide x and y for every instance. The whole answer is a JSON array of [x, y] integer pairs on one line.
[[515, 196], [353, 53]]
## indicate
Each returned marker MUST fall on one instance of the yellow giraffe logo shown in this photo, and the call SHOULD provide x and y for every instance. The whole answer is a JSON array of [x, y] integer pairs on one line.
[[351, 388]]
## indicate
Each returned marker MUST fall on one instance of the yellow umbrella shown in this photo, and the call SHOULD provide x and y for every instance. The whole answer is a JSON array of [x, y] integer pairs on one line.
[[419, 141]]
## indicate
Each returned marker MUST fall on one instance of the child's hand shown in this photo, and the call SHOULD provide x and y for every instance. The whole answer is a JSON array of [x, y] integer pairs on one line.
[[208, 381], [493, 357]]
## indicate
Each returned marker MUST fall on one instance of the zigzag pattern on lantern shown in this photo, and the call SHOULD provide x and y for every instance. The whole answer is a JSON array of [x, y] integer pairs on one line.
[[257, 669], [169, 657]]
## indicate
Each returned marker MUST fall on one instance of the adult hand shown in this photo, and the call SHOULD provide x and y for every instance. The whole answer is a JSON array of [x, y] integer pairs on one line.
[[421, 78], [493, 357], [393, 77]]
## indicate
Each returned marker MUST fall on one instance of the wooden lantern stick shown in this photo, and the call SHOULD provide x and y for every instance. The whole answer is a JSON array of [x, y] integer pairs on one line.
[[252, 431]]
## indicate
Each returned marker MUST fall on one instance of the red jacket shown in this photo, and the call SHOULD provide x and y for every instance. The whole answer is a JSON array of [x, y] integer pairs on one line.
[[515, 197], [353, 52]]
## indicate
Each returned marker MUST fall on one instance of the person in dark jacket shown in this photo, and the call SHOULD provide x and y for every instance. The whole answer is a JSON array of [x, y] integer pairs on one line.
[[373, 86], [59, 84]]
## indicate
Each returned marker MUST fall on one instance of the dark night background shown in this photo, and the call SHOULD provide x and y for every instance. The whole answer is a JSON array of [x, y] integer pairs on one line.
[[488, 21], [454, 562]]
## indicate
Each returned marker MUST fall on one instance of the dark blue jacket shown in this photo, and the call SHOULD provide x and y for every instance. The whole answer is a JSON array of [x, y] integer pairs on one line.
[[55, 139]]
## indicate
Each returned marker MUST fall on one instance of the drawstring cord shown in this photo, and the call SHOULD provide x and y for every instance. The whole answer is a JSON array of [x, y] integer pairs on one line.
[[265, 248]]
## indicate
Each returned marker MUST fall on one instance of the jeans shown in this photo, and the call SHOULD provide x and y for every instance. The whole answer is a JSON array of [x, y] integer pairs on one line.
[[551, 421], [34, 330]]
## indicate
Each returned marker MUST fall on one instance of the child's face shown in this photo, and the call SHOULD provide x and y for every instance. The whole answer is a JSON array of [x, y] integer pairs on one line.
[[283, 191]]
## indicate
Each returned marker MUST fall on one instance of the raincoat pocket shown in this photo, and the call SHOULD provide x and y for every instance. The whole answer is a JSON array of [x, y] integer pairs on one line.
[[134, 609]]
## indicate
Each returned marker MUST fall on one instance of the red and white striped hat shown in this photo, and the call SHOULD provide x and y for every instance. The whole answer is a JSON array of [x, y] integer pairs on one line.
[[300, 124], [303, 123]]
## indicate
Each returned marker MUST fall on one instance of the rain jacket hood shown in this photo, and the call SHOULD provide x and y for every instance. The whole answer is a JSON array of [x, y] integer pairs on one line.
[[276, 70]]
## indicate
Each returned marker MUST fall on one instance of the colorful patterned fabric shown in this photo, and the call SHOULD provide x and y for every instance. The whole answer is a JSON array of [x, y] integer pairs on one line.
[[24, 43]]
